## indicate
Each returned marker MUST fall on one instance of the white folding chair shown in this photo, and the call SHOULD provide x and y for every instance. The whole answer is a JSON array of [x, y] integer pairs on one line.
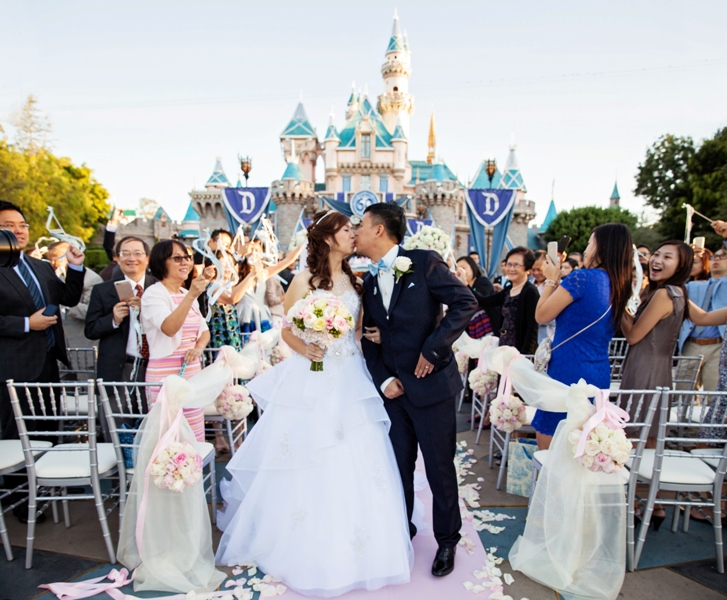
[[617, 347], [501, 441], [124, 403], [679, 465], [11, 461], [52, 410], [685, 372], [465, 383]]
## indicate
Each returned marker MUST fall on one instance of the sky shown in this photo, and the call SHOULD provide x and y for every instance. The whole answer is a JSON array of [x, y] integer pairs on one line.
[[148, 93]]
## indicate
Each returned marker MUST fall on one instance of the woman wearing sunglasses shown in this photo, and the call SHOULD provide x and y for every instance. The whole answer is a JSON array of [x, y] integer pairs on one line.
[[172, 323]]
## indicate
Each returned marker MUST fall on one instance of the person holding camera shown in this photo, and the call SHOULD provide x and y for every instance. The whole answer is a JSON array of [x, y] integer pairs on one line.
[[32, 340], [176, 332], [110, 318]]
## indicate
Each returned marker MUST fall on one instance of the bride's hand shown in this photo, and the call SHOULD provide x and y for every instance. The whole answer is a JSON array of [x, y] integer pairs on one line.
[[314, 353], [372, 334]]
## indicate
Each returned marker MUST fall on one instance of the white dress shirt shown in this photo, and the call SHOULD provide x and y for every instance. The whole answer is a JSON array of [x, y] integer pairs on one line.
[[386, 287], [132, 343]]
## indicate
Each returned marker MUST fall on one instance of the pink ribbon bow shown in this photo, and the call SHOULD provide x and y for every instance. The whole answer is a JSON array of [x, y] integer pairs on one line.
[[606, 412], [92, 587]]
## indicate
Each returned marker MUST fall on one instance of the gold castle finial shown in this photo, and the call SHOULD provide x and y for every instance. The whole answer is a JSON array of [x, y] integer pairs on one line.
[[431, 155]]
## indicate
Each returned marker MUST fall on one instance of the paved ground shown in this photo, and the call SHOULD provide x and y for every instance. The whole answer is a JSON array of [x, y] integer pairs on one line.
[[676, 565]]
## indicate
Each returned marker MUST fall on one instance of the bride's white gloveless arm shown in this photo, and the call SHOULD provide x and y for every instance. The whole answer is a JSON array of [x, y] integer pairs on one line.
[[298, 288]]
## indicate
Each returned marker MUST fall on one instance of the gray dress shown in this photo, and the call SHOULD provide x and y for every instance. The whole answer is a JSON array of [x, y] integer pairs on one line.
[[648, 363]]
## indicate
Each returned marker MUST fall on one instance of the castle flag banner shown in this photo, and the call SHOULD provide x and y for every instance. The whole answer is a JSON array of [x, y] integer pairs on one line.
[[490, 209], [414, 226], [246, 205]]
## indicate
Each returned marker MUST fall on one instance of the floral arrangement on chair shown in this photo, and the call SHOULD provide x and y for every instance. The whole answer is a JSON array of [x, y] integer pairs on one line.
[[429, 238], [176, 467], [234, 403], [508, 413], [280, 353], [482, 383], [606, 448], [462, 361]]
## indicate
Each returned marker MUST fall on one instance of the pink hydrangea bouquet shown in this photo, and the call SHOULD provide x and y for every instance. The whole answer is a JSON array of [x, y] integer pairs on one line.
[[482, 383], [321, 319], [177, 467], [234, 403], [507, 413], [606, 448]]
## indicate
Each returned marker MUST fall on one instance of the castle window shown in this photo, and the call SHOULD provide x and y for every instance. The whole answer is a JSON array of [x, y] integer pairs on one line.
[[365, 182], [396, 88], [383, 183], [346, 180], [365, 145]]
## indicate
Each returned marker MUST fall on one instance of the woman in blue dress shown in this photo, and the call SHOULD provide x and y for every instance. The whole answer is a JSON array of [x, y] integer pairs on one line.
[[587, 306]]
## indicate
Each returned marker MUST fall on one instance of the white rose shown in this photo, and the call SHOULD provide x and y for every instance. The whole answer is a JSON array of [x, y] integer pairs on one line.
[[608, 447], [602, 431], [507, 414], [575, 436], [586, 461], [592, 447], [402, 263]]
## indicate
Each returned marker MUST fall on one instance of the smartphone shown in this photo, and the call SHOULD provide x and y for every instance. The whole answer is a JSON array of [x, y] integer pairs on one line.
[[50, 310], [124, 290], [699, 243], [563, 244], [553, 253]]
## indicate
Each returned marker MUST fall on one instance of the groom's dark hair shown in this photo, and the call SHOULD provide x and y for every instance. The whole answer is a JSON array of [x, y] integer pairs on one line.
[[391, 216]]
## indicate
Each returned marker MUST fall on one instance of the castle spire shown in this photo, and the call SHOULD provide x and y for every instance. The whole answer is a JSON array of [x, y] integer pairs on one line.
[[432, 143], [397, 43]]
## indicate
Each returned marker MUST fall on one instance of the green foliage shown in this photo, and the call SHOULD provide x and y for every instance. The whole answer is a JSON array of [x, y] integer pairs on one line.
[[648, 236], [675, 172], [36, 180], [96, 258], [578, 223]]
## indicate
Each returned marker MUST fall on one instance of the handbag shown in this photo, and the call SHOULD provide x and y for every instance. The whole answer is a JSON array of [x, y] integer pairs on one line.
[[545, 349], [479, 325]]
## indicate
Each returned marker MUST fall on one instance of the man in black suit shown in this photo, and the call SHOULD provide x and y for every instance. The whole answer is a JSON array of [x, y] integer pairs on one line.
[[31, 343], [408, 351], [122, 354]]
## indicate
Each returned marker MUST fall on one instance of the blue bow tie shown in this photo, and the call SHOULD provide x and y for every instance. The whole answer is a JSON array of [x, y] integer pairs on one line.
[[379, 266]]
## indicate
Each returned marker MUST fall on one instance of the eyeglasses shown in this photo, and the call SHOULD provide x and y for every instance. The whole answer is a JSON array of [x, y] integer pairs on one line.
[[513, 266], [719, 257], [15, 226], [129, 254], [180, 259]]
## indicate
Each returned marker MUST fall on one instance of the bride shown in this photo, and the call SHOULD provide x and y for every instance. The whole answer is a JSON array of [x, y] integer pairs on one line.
[[316, 498]]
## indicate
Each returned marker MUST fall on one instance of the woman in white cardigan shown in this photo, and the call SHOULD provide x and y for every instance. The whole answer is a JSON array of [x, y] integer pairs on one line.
[[172, 323]]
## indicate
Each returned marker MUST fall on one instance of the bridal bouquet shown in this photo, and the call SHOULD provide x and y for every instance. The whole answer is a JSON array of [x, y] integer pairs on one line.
[[606, 448], [508, 413], [176, 467], [320, 319], [429, 238], [234, 403], [482, 383]]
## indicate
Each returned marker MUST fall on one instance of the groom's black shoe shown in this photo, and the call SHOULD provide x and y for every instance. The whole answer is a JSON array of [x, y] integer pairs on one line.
[[444, 561]]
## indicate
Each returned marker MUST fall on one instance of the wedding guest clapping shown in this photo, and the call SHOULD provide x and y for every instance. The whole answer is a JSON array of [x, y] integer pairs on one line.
[[170, 316], [586, 306]]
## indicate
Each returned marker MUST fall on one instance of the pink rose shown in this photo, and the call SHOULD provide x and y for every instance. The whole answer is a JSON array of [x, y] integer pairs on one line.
[[180, 458], [198, 461], [605, 462]]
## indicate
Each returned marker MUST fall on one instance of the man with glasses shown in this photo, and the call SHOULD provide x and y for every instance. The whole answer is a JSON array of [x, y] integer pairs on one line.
[[115, 321], [707, 341], [31, 342]]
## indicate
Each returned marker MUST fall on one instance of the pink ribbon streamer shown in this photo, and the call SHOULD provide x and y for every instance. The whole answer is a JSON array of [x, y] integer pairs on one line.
[[505, 387], [606, 412], [92, 587]]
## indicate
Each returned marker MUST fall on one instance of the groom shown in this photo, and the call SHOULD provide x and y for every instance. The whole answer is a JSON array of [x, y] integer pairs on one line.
[[410, 360]]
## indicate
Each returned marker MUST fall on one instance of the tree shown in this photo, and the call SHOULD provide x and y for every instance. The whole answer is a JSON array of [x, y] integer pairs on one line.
[[147, 208], [32, 128], [37, 180], [708, 184], [578, 223]]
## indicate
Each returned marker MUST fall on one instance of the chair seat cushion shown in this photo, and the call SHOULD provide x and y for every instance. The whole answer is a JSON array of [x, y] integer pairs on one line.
[[66, 464], [681, 469], [11, 452], [205, 450], [712, 462]]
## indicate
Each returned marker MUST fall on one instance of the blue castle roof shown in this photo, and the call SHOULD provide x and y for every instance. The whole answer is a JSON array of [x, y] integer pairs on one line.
[[398, 132], [191, 215], [161, 213], [218, 177], [421, 170], [614, 193], [299, 125], [347, 135], [292, 171], [512, 179], [482, 182], [549, 217], [397, 42]]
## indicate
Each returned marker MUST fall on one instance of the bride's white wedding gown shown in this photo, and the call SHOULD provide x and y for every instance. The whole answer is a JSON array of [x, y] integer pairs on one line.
[[315, 497]]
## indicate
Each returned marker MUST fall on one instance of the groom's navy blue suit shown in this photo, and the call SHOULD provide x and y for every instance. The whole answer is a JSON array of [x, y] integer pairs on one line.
[[425, 414]]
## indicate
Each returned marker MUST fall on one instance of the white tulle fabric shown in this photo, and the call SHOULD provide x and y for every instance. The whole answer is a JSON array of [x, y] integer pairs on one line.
[[175, 553], [575, 537], [315, 497]]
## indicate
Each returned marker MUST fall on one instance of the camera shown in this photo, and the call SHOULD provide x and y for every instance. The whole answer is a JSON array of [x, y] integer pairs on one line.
[[9, 249]]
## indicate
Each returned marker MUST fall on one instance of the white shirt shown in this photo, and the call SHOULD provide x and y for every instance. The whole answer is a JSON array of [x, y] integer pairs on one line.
[[386, 287], [133, 345]]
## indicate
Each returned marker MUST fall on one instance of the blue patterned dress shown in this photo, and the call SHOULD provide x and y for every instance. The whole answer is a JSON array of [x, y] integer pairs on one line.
[[224, 327], [586, 355]]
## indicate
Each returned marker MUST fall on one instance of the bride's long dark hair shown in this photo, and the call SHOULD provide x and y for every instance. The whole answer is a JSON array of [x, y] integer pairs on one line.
[[324, 227]]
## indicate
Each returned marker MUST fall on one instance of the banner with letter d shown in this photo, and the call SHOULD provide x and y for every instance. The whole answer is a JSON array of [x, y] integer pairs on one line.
[[246, 205], [492, 210]]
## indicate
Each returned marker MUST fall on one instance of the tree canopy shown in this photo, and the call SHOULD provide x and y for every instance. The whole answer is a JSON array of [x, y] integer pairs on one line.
[[675, 172], [578, 223], [34, 179]]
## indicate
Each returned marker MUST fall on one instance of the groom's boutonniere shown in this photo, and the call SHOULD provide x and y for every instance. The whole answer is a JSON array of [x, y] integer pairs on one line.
[[402, 266]]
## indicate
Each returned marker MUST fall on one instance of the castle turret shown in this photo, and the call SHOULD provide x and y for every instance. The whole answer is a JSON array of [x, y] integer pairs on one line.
[[292, 192], [396, 103], [400, 143], [432, 142], [331, 143], [301, 132], [615, 199]]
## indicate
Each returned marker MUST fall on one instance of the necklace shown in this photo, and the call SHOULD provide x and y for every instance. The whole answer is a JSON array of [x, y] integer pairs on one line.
[[515, 290]]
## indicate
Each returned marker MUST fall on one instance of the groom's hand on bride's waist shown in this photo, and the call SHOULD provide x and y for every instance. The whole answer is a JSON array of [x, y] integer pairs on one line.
[[394, 389]]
